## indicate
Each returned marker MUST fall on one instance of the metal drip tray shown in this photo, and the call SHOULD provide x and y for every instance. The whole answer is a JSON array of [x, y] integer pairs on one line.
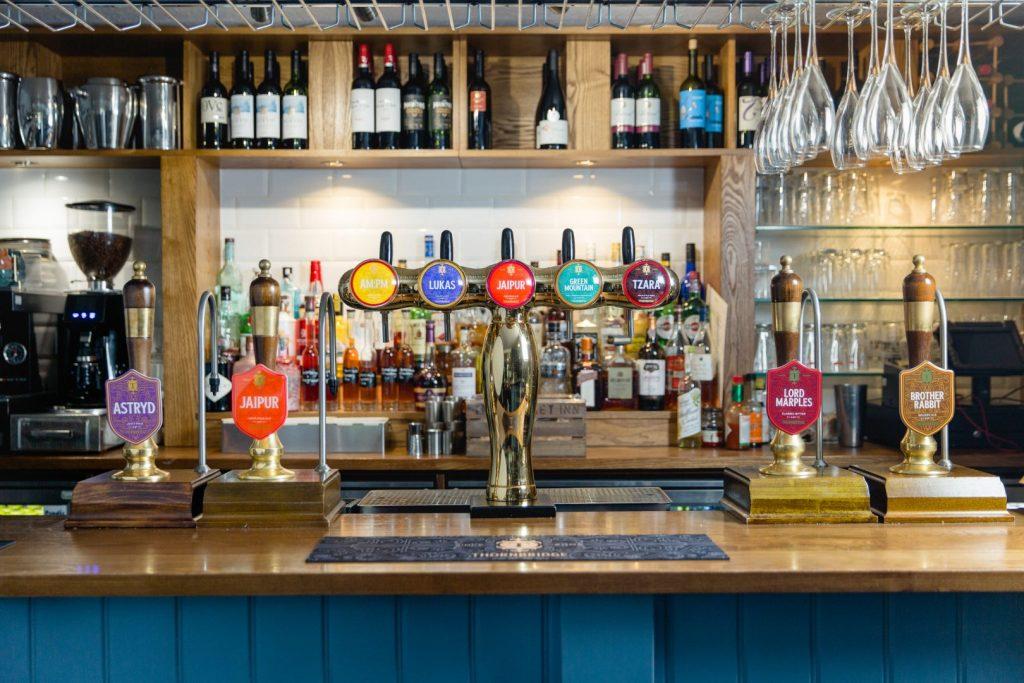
[[565, 499]]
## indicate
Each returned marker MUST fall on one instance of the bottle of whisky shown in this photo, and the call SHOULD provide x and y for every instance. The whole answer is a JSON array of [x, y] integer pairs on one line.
[[620, 381], [350, 376], [587, 374], [462, 375], [650, 365], [429, 380]]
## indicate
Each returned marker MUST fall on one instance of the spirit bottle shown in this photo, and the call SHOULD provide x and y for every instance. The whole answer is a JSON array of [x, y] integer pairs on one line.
[[620, 384], [350, 376], [368, 375], [248, 361], [737, 420], [754, 406], [462, 377], [554, 364], [293, 381], [231, 276], [587, 374], [291, 295], [227, 334], [689, 416], [701, 364], [650, 365], [388, 367], [429, 381], [310, 364], [692, 307], [405, 364], [675, 362]]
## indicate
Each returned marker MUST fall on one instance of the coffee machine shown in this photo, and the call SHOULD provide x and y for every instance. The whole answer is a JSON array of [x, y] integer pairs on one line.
[[91, 341], [31, 299]]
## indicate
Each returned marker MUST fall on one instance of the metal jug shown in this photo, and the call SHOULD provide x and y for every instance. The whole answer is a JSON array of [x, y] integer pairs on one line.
[[159, 100], [105, 110], [8, 110], [40, 111]]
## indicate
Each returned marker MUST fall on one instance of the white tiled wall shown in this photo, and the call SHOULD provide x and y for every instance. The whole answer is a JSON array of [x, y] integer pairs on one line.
[[292, 216]]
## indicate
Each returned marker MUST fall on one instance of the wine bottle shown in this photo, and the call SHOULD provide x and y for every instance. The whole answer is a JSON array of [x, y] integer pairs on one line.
[[479, 106], [691, 105], [748, 104], [552, 124], [650, 366], [623, 114], [243, 104], [361, 102], [648, 106], [439, 106], [714, 113], [388, 103], [213, 108], [294, 108], [268, 104], [414, 107]]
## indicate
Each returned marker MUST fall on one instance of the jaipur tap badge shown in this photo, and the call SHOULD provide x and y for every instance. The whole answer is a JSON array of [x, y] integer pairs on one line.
[[374, 283], [443, 284], [926, 398], [646, 284], [793, 396], [510, 284], [134, 409], [259, 401], [578, 283]]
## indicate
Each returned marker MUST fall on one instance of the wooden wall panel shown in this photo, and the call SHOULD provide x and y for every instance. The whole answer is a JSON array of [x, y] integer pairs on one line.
[[588, 91], [387, 639], [330, 79], [190, 210], [726, 77], [29, 58], [459, 68], [728, 254], [193, 66]]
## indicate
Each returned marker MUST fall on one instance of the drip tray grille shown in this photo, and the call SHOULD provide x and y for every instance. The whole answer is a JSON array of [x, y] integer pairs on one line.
[[565, 499]]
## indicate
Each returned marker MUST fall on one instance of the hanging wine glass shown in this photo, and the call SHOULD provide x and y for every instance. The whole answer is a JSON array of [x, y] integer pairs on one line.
[[965, 113], [761, 158], [933, 143], [778, 149], [899, 154], [814, 110], [841, 141], [916, 156], [861, 138], [889, 97], [797, 143]]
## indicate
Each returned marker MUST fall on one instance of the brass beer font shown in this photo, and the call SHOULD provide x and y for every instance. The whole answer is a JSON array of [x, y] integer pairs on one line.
[[265, 303], [787, 289], [510, 363], [919, 291], [139, 312]]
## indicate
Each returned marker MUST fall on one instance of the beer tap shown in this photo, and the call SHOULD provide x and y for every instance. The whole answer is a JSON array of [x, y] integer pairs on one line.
[[628, 256], [327, 371], [387, 252], [448, 254], [207, 302], [568, 254]]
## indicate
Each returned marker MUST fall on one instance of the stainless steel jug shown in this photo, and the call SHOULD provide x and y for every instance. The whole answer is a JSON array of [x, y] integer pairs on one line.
[[40, 111], [159, 100], [8, 110], [105, 110]]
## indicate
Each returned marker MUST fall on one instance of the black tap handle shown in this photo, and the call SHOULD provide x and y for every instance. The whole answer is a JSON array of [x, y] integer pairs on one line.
[[447, 245], [447, 253], [568, 245], [508, 244], [628, 246], [387, 253], [628, 256]]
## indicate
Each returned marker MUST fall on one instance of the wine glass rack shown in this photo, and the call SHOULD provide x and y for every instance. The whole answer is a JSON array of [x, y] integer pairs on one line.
[[346, 15]]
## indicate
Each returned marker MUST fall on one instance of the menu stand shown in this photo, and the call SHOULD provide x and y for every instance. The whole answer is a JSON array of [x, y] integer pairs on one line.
[[919, 489], [140, 494], [268, 494], [789, 491]]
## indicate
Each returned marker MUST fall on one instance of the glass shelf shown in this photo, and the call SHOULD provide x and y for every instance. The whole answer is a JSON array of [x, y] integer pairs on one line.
[[895, 300], [921, 228]]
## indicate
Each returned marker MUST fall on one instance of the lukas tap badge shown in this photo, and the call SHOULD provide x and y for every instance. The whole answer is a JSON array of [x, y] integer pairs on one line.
[[442, 284]]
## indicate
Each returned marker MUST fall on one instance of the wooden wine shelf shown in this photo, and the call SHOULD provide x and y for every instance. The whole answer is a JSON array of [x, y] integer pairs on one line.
[[356, 159]]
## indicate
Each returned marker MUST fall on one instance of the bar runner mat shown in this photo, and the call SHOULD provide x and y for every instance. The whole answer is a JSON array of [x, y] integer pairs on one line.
[[4, 544], [515, 548]]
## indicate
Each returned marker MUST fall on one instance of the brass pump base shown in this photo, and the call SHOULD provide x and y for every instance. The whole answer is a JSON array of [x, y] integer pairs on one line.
[[787, 450], [828, 496], [919, 456], [961, 496], [266, 461], [140, 463]]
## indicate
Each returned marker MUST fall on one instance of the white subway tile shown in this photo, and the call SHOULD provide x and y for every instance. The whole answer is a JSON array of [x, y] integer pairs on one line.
[[329, 212], [436, 182], [6, 214], [243, 183], [623, 181], [250, 246], [148, 214], [300, 183], [31, 213], [258, 213], [377, 181], [411, 213], [23, 182], [498, 182], [286, 245], [135, 182], [552, 181]]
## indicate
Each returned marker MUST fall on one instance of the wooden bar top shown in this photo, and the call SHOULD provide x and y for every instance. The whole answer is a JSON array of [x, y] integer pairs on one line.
[[46, 560], [609, 458]]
